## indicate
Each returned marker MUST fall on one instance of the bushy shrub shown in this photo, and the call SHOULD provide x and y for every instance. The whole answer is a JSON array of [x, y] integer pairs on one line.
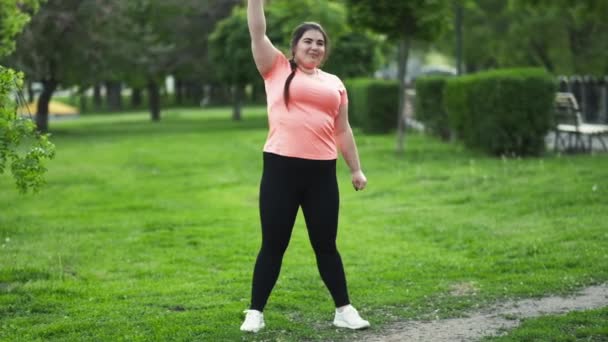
[[503, 112], [429, 106], [373, 104]]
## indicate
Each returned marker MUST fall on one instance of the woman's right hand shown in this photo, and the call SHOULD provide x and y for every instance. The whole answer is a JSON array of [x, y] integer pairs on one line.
[[359, 180]]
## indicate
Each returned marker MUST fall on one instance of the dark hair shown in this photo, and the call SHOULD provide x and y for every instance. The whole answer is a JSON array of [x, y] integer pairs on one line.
[[295, 38]]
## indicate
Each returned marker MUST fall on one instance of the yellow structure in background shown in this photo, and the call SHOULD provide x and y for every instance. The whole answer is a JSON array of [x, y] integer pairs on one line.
[[55, 109]]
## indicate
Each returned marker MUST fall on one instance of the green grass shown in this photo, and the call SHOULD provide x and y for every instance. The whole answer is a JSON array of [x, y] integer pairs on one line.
[[149, 231], [576, 326]]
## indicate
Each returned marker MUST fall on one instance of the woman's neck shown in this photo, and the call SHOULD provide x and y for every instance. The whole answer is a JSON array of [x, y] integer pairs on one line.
[[308, 71]]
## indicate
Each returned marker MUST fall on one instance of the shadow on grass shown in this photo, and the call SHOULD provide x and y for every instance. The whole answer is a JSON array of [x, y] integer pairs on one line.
[[23, 275], [167, 126]]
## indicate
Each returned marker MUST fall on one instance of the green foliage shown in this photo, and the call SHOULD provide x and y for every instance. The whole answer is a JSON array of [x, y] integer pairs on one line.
[[21, 147], [138, 42], [364, 45], [405, 22], [283, 16], [230, 39], [420, 19], [503, 112], [12, 19], [372, 104], [429, 106], [561, 36], [46, 49], [229, 44], [229, 50]]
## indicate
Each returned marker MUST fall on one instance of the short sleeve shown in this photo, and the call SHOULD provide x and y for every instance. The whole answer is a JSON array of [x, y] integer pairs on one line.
[[280, 64], [343, 93]]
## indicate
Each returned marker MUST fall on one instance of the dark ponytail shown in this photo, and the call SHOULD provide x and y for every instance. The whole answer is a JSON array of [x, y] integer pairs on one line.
[[297, 35], [294, 66]]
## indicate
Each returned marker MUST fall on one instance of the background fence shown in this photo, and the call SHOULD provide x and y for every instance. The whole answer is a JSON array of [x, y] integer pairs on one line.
[[591, 94]]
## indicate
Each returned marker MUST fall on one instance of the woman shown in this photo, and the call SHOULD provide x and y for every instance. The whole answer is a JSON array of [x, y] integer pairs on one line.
[[308, 119]]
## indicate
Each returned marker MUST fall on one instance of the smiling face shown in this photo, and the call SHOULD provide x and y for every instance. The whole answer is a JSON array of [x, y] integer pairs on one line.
[[309, 51]]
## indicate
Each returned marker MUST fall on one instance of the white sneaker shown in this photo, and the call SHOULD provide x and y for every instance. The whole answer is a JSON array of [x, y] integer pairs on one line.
[[254, 321], [349, 318]]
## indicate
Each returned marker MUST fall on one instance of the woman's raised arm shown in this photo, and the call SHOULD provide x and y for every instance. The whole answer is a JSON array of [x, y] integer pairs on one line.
[[264, 52]]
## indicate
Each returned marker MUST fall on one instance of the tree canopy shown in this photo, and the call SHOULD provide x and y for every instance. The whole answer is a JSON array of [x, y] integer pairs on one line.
[[402, 22], [74, 42], [563, 36], [230, 52]]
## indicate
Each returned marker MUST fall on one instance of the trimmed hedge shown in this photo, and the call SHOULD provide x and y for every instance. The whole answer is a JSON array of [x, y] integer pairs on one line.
[[503, 112], [373, 104], [429, 106]]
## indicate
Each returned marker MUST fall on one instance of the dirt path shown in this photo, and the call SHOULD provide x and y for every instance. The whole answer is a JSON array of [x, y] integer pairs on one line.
[[490, 321]]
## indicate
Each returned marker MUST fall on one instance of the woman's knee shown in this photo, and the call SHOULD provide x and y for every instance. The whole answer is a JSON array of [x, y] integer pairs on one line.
[[273, 249], [321, 248]]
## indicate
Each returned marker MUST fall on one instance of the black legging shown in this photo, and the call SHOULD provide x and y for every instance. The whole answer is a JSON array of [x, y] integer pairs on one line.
[[288, 183]]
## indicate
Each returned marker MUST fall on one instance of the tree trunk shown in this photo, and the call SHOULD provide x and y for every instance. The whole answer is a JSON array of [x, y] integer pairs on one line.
[[258, 94], [179, 92], [188, 92], [82, 96], [404, 47], [30, 92], [237, 101], [458, 30], [135, 97], [42, 112], [194, 92], [220, 95], [113, 96], [97, 97], [541, 52], [154, 100]]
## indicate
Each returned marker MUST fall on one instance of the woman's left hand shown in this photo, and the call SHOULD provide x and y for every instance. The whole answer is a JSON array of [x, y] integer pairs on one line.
[[359, 180]]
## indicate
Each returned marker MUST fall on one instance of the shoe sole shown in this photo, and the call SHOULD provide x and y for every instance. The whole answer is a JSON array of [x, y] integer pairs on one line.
[[254, 330], [340, 324]]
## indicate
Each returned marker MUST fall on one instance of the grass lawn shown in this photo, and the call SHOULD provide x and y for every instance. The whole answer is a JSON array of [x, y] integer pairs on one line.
[[149, 231], [576, 326]]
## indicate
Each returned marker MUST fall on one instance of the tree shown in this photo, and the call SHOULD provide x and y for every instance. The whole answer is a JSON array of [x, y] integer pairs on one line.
[[458, 12], [157, 38], [139, 41], [284, 16], [573, 36], [230, 54], [402, 21], [345, 42], [563, 36], [22, 148], [193, 44], [47, 52], [145, 44], [355, 54]]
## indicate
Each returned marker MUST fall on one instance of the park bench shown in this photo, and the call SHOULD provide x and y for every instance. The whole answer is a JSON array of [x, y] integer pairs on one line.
[[571, 130]]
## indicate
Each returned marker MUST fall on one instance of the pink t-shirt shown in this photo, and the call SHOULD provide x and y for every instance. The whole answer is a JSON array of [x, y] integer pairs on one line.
[[306, 130]]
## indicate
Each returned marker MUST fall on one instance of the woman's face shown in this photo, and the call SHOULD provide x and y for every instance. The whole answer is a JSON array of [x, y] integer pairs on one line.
[[310, 49]]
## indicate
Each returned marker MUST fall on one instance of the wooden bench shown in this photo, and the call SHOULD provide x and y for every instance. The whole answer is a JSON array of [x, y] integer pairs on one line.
[[571, 130]]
